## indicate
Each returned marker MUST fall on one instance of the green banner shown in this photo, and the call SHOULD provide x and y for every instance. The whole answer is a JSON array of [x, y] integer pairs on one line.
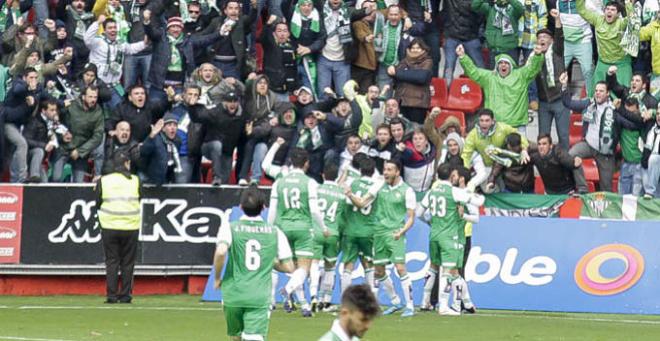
[[606, 205], [523, 205]]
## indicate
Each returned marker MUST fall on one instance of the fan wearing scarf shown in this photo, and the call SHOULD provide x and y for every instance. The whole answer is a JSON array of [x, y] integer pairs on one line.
[[547, 82], [609, 28], [388, 37], [636, 118], [182, 57], [77, 21], [488, 134], [114, 9], [501, 25], [334, 64], [309, 35], [107, 53], [505, 87], [600, 131]]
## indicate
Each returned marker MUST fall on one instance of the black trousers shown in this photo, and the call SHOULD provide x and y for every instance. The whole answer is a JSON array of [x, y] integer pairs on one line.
[[120, 248]]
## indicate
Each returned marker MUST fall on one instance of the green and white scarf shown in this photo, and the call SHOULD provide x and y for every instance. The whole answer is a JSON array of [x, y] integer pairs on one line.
[[176, 62], [339, 24], [81, 27], [123, 26], [606, 139], [503, 156], [310, 139], [298, 18], [630, 39], [382, 38], [550, 66], [502, 20], [5, 12]]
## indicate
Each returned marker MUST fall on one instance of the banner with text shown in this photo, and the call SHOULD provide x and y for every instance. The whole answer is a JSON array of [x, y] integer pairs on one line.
[[11, 207], [179, 226], [565, 265]]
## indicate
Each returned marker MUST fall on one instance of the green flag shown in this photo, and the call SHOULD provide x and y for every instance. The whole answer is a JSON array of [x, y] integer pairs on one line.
[[606, 205], [523, 205]]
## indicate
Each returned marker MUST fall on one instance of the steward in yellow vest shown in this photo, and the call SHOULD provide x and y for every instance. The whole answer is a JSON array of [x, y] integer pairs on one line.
[[119, 214]]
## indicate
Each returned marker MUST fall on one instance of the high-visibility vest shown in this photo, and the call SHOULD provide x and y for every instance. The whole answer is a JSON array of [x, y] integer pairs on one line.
[[120, 208]]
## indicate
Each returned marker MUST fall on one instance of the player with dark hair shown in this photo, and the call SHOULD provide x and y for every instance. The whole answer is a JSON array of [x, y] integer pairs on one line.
[[359, 308], [395, 213], [294, 208], [252, 246], [332, 204], [442, 205]]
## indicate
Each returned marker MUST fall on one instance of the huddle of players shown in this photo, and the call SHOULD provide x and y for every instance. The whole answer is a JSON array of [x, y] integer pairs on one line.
[[364, 217]]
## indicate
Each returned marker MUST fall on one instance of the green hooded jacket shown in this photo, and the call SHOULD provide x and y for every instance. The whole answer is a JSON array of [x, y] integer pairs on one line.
[[505, 96], [495, 38]]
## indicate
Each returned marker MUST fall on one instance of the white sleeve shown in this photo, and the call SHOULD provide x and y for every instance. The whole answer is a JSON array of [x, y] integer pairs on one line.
[[134, 48], [480, 169], [267, 164], [375, 187], [312, 191], [90, 36], [272, 206], [423, 205], [411, 199], [471, 214], [224, 235], [283, 248], [465, 197]]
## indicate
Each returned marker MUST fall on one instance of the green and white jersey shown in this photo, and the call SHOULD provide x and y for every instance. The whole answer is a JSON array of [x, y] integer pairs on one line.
[[360, 222], [253, 247], [337, 333], [331, 202], [293, 196], [442, 202], [392, 205]]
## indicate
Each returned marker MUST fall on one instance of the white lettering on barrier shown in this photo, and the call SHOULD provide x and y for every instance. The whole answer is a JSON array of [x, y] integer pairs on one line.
[[534, 271]]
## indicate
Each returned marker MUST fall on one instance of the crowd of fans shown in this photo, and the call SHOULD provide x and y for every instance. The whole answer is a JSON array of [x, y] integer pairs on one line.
[[174, 82]]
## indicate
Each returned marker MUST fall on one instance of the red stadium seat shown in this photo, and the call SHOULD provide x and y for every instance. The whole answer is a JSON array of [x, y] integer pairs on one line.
[[464, 95], [539, 187], [438, 92], [446, 113], [591, 186], [575, 129], [590, 170]]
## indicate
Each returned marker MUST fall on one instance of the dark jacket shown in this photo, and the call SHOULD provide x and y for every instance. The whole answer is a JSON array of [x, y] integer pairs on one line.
[[162, 53], [556, 170], [264, 131], [86, 126], [140, 119], [279, 62], [518, 178], [650, 102], [35, 132], [308, 38], [412, 82], [343, 127], [15, 109], [546, 93], [220, 125], [241, 29], [137, 32], [190, 133], [460, 21], [380, 154], [80, 50], [154, 158], [112, 146]]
